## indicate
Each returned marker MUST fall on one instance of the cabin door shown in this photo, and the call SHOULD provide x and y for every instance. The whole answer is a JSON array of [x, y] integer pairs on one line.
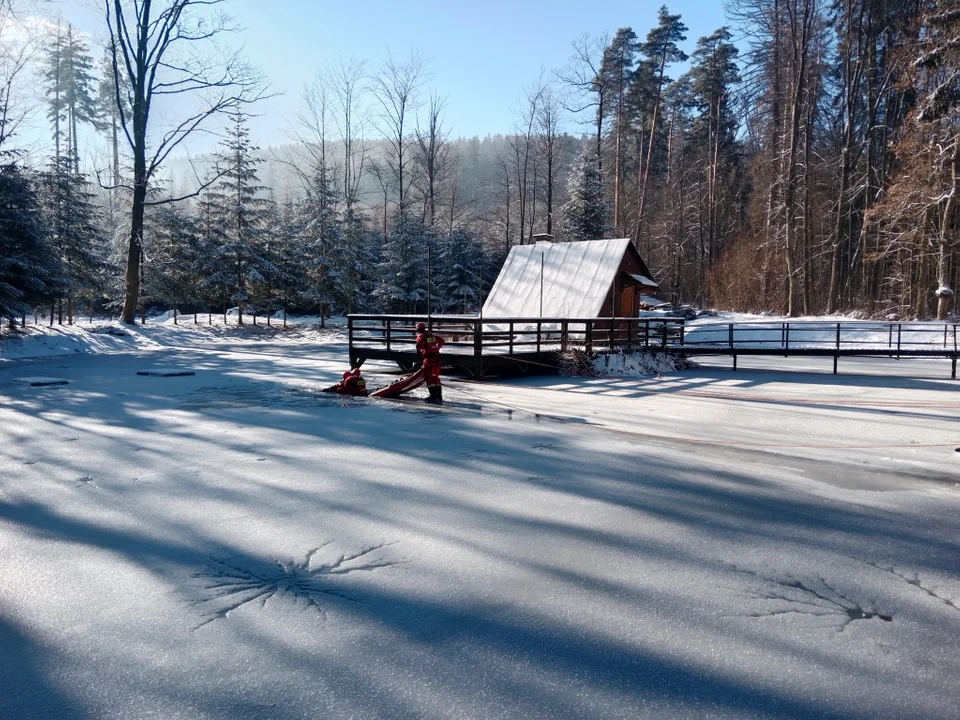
[[628, 306]]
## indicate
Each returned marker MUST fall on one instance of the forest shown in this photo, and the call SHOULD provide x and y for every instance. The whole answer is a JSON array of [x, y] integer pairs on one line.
[[804, 159]]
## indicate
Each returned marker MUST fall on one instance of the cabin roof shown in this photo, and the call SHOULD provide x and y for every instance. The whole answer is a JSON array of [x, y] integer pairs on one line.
[[577, 277]]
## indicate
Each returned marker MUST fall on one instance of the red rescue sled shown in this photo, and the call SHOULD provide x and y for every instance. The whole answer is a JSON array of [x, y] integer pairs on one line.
[[401, 386]]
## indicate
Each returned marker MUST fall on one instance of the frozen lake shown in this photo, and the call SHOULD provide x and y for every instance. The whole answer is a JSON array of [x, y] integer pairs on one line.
[[233, 544]]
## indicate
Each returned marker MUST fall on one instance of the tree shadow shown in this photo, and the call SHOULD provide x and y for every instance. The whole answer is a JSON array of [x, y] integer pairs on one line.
[[466, 481]]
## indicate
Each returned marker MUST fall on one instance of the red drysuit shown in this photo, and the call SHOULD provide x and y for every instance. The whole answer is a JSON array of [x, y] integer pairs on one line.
[[352, 384], [429, 344]]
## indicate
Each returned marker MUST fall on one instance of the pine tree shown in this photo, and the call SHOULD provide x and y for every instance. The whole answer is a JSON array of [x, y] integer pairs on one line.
[[72, 221], [320, 236], [713, 80], [29, 271], [586, 214], [617, 67], [402, 285], [238, 214], [659, 50], [173, 273], [459, 272], [108, 103], [69, 79]]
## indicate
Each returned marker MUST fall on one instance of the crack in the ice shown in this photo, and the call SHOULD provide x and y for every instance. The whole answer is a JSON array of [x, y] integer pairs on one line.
[[234, 585], [912, 578], [815, 598]]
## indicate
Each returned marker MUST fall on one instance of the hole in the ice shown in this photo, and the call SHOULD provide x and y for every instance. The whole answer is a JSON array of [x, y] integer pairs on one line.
[[858, 614]]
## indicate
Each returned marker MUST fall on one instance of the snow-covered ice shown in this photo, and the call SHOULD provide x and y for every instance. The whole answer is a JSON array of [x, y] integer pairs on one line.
[[707, 543]]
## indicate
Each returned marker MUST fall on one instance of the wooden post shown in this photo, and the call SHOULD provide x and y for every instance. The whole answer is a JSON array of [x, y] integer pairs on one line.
[[387, 332], [350, 340], [588, 337], [836, 355], [954, 375], [478, 338], [510, 350]]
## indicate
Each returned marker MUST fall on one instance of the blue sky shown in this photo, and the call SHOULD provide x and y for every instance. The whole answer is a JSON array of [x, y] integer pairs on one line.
[[481, 55]]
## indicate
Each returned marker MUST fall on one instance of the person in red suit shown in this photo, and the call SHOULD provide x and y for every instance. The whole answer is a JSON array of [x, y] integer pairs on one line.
[[351, 384], [428, 345]]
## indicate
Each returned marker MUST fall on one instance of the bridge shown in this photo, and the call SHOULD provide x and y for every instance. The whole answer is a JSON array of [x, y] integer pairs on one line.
[[478, 346]]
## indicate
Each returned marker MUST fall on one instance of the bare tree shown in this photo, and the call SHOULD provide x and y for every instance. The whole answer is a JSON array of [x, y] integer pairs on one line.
[[396, 88], [346, 80], [17, 51], [522, 149], [588, 86], [167, 49], [549, 146], [433, 156]]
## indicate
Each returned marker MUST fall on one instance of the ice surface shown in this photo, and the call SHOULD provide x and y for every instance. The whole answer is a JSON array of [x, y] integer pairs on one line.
[[237, 544]]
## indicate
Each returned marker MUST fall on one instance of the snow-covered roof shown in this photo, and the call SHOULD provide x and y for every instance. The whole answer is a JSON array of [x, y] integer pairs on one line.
[[576, 279], [644, 280]]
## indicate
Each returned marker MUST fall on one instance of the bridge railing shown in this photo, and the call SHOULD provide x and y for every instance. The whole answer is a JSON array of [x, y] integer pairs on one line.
[[471, 334], [889, 338]]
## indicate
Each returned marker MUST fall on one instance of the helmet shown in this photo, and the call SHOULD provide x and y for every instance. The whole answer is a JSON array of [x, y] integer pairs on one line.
[[421, 326], [355, 372], [347, 374]]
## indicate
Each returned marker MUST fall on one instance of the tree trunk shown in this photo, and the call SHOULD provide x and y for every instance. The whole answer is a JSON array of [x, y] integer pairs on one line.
[[945, 292]]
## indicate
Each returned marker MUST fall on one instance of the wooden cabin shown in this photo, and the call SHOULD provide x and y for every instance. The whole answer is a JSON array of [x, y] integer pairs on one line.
[[588, 279]]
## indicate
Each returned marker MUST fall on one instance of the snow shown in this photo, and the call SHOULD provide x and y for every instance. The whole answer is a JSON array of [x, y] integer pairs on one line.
[[636, 364], [236, 544]]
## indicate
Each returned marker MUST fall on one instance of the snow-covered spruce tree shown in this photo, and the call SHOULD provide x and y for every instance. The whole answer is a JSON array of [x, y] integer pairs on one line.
[[30, 271], [238, 214], [354, 265], [457, 278], [586, 215], [320, 236], [267, 279], [71, 217], [286, 252], [402, 271], [173, 268]]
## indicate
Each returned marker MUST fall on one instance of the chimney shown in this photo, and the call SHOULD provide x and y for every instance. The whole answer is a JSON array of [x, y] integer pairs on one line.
[[543, 238]]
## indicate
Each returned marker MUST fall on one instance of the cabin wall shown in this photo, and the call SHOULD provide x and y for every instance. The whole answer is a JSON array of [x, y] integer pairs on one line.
[[618, 307]]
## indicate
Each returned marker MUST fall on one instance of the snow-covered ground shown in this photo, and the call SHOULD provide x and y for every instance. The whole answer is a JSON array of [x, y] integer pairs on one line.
[[233, 544]]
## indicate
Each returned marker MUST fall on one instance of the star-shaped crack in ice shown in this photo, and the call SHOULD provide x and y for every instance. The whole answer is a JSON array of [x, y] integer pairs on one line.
[[231, 584], [813, 597]]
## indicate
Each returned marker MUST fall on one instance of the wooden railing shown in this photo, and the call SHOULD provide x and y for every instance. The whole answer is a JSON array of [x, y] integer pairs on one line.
[[840, 337], [470, 334], [393, 337]]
